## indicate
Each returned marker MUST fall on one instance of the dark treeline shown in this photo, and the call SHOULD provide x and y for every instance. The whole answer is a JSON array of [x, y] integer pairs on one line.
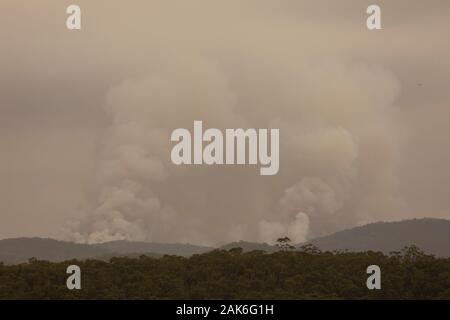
[[232, 274]]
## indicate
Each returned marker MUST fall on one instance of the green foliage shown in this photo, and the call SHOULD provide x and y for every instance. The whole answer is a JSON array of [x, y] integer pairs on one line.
[[233, 274]]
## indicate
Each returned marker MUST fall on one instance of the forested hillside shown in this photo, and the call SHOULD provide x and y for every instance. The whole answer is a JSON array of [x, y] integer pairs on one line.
[[232, 274]]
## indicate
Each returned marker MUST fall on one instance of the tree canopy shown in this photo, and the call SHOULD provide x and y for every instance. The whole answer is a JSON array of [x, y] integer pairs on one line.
[[233, 274]]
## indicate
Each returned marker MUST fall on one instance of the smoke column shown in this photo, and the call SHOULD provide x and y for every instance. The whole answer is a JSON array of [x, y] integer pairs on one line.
[[339, 137]]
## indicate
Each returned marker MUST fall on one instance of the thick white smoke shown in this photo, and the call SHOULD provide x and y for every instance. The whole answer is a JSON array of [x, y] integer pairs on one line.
[[338, 152], [338, 141]]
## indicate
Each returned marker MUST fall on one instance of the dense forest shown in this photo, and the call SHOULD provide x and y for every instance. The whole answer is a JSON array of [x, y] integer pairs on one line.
[[232, 274]]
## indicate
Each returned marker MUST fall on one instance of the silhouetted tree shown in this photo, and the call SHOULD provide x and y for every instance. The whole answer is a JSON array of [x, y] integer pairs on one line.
[[284, 244]]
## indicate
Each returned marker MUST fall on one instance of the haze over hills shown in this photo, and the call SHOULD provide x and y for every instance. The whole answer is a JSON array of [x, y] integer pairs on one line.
[[249, 246], [19, 250], [430, 235], [128, 247]]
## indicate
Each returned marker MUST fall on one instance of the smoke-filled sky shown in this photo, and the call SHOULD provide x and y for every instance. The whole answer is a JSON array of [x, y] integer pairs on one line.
[[86, 117]]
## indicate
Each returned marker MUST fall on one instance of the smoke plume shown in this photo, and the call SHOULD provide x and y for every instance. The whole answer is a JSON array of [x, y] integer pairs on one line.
[[339, 137]]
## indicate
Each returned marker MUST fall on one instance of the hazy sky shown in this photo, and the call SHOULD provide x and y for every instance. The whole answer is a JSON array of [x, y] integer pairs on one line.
[[86, 116]]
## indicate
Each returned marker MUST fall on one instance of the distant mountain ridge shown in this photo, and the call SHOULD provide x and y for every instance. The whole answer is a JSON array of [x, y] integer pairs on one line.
[[19, 250], [127, 247], [430, 235], [249, 246]]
